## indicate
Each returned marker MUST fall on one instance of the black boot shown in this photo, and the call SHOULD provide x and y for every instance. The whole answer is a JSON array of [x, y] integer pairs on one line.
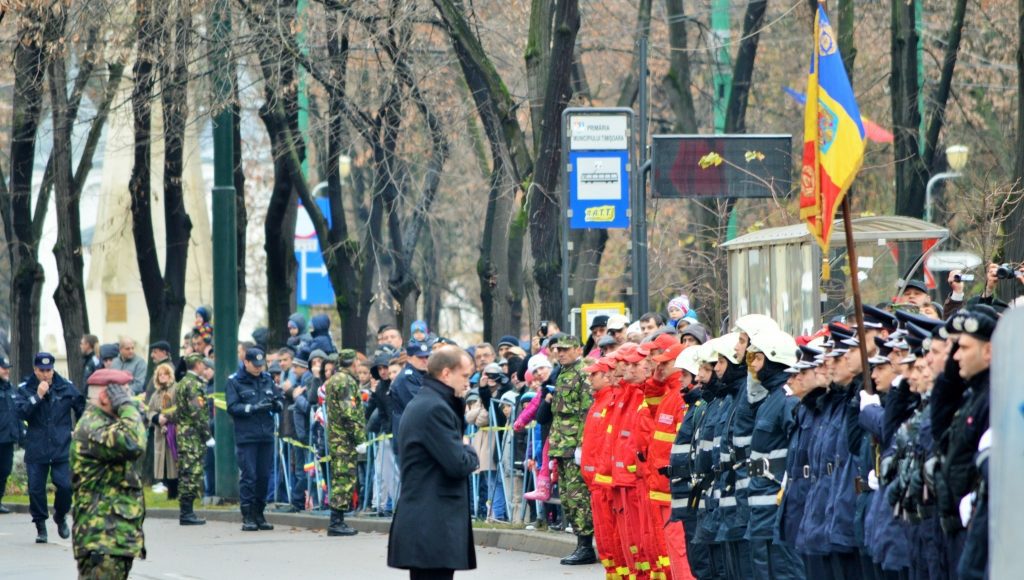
[[261, 520], [188, 517], [248, 519], [4, 510], [62, 527], [584, 553], [338, 527], [41, 532]]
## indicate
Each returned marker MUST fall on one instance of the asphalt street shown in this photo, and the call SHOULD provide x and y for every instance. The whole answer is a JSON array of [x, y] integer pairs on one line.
[[221, 551]]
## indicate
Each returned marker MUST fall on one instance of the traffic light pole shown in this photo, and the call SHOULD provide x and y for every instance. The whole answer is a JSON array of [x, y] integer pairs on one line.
[[225, 258]]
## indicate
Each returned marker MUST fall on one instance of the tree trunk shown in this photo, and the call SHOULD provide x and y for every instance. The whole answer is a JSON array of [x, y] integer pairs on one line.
[[743, 68], [150, 19], [241, 213], [27, 279], [70, 293], [1015, 221], [279, 236], [178, 225], [543, 202], [911, 173]]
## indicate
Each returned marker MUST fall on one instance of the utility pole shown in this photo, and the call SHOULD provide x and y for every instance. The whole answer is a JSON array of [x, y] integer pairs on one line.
[[225, 258]]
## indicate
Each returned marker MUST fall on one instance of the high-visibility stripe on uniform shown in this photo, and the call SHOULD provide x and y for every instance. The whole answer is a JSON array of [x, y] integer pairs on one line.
[[602, 478], [774, 454], [664, 561], [679, 449], [762, 500], [706, 445], [659, 496], [653, 400], [727, 502], [742, 441], [663, 436], [743, 483]]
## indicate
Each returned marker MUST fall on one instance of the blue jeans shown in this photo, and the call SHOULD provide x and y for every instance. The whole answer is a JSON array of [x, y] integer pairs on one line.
[[496, 494]]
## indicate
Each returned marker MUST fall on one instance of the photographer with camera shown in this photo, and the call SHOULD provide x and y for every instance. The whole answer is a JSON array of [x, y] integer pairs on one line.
[[994, 273], [252, 399]]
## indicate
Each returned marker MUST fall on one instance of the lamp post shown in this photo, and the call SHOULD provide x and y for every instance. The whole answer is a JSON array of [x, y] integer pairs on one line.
[[956, 155]]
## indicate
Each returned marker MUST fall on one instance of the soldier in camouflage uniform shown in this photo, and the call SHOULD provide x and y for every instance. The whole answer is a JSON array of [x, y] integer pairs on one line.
[[109, 507], [569, 406], [344, 432], [193, 432]]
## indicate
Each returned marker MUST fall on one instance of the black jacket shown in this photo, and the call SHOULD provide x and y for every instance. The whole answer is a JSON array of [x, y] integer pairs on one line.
[[431, 527], [10, 424], [49, 419], [252, 401]]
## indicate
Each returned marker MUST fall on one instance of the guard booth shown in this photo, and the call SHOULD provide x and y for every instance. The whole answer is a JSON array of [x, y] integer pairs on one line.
[[777, 271]]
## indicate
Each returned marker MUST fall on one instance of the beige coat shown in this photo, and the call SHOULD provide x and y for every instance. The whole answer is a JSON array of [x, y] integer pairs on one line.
[[483, 441], [164, 464]]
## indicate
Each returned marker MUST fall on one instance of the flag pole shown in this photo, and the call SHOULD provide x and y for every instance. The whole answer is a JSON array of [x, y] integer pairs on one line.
[[851, 257]]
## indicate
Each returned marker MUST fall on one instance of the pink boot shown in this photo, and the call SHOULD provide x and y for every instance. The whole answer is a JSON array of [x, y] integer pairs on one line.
[[542, 492]]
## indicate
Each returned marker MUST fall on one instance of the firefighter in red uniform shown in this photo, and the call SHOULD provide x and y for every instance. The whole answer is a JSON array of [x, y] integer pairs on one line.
[[596, 467], [665, 420], [628, 469]]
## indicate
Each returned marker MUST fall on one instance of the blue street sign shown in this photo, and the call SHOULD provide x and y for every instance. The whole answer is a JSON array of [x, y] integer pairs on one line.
[[313, 286], [598, 189]]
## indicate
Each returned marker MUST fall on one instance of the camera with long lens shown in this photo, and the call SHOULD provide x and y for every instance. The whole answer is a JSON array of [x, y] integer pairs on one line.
[[1006, 272]]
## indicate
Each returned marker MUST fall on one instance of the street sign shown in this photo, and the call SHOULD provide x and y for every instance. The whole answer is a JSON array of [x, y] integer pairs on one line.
[[313, 287], [589, 311], [721, 166], [598, 167]]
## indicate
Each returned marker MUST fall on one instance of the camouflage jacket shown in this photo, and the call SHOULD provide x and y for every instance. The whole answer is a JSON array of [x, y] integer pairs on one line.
[[190, 409], [569, 407], [345, 417], [108, 505]]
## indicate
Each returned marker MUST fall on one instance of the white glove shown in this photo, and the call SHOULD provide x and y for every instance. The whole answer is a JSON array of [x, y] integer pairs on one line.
[[361, 448], [578, 456], [211, 443], [986, 440], [967, 508], [873, 480], [867, 399]]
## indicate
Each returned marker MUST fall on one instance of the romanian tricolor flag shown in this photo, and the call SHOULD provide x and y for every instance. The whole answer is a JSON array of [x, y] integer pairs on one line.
[[309, 468], [833, 136]]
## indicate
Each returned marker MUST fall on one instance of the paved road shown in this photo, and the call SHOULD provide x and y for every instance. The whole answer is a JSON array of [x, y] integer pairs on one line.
[[221, 551]]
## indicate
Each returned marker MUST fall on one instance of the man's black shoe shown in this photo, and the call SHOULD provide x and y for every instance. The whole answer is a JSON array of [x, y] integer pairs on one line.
[[62, 528], [261, 520], [41, 537], [338, 527], [4, 510], [584, 553], [248, 520], [289, 509]]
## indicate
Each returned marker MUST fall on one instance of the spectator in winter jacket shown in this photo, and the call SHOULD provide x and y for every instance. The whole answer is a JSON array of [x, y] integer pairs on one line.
[[321, 334], [297, 335]]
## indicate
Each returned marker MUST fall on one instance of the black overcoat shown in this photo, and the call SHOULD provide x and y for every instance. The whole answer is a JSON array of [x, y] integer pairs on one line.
[[431, 526]]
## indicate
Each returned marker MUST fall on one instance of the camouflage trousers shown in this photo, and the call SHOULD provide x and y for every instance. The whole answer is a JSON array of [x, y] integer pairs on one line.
[[101, 567], [575, 497], [191, 454], [344, 476]]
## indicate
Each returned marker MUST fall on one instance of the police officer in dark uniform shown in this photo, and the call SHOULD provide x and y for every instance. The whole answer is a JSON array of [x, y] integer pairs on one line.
[[967, 375], [252, 399], [10, 427], [408, 382], [46, 401]]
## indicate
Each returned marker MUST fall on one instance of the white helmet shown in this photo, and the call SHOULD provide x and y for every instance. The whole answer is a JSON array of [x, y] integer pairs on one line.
[[725, 345], [754, 323], [776, 345], [689, 360]]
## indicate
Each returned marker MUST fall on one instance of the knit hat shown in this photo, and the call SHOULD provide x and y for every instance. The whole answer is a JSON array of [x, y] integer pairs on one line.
[[682, 302]]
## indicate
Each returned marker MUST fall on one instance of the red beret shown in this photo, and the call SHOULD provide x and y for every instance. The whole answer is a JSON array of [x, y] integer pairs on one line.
[[104, 377]]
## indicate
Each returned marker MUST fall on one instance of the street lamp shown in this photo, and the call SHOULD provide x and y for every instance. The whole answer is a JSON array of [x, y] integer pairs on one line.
[[956, 156]]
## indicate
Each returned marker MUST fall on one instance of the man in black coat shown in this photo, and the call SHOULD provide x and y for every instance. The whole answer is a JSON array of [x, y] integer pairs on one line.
[[46, 401], [10, 427], [431, 534]]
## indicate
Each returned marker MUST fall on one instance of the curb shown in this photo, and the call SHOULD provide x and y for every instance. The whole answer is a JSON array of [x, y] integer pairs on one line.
[[533, 542]]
